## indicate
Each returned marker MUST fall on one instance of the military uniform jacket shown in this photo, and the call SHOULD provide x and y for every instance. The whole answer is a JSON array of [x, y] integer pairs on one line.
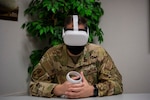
[[96, 64]]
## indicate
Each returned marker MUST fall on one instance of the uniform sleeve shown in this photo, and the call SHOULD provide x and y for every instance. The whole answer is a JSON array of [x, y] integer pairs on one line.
[[110, 80], [41, 83]]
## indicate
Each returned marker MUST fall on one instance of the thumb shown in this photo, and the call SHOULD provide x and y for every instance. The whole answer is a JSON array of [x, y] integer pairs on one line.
[[83, 78]]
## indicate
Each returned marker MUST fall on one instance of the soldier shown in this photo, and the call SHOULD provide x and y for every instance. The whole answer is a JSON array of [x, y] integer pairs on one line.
[[100, 77]]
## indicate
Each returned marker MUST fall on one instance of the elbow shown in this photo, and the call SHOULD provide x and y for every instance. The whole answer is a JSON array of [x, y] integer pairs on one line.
[[118, 89]]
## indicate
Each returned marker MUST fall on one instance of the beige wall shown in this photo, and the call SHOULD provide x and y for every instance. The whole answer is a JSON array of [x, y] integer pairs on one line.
[[126, 38], [14, 52]]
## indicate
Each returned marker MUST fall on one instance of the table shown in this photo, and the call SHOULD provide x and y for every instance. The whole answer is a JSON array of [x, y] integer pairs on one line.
[[139, 96]]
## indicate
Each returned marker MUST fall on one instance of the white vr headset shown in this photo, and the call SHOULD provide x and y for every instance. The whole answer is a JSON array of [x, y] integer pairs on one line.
[[75, 37]]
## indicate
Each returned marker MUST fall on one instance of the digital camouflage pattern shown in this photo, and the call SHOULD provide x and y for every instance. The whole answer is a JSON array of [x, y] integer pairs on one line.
[[95, 62]]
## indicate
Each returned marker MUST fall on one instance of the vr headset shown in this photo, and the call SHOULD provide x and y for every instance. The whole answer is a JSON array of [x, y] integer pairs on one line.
[[75, 37]]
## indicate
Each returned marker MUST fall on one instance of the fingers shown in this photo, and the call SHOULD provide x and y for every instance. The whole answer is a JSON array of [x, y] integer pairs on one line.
[[73, 94], [75, 88], [74, 91], [78, 90], [83, 78], [76, 78], [79, 85]]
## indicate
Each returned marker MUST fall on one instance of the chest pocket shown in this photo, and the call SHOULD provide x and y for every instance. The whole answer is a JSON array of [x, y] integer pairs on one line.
[[90, 73]]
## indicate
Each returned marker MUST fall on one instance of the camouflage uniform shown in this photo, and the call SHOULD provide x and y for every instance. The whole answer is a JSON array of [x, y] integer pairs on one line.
[[95, 62]]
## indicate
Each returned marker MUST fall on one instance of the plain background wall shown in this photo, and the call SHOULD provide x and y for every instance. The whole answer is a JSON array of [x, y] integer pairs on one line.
[[126, 37], [15, 49]]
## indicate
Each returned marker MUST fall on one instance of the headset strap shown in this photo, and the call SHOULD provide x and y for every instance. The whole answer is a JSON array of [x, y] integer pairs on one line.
[[75, 22]]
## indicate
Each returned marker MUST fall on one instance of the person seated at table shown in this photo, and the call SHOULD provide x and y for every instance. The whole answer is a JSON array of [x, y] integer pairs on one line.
[[100, 76]]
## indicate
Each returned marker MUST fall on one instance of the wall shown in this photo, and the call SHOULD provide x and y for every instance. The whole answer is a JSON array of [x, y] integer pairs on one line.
[[126, 38], [15, 48]]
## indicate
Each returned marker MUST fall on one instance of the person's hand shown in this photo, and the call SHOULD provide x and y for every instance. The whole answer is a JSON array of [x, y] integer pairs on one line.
[[60, 89], [80, 90]]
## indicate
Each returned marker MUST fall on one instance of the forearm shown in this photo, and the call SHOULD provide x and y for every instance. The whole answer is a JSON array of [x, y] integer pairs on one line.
[[42, 89], [110, 79], [109, 88]]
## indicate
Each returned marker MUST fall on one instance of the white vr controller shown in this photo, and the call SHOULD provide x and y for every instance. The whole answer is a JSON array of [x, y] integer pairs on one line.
[[74, 74], [71, 80], [75, 37]]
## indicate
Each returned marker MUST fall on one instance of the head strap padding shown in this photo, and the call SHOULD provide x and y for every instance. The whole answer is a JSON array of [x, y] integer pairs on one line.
[[75, 22]]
